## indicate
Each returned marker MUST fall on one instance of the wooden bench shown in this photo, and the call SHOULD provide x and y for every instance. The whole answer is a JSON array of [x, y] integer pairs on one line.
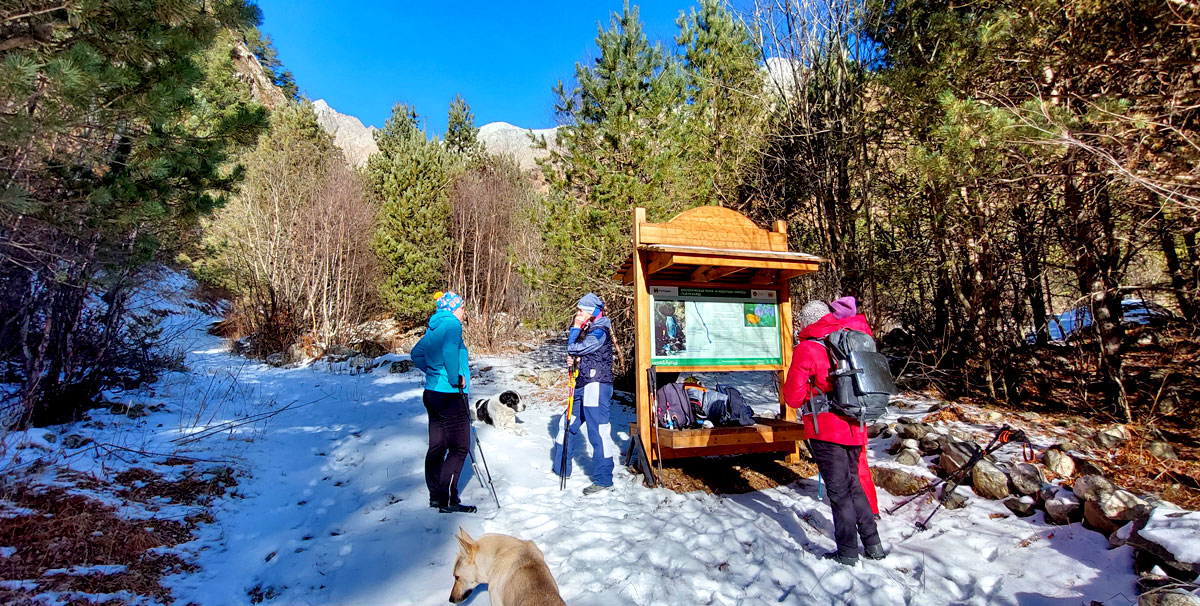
[[766, 435]]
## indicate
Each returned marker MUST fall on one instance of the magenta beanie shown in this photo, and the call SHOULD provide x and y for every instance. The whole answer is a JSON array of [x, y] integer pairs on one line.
[[845, 307]]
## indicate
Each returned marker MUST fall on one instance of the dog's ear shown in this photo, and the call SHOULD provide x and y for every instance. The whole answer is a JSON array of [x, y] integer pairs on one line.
[[466, 543]]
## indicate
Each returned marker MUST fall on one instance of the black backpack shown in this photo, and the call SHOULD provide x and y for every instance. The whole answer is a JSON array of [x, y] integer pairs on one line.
[[862, 381], [736, 413]]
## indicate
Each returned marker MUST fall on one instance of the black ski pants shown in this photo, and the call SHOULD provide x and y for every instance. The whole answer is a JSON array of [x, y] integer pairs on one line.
[[449, 445], [852, 518]]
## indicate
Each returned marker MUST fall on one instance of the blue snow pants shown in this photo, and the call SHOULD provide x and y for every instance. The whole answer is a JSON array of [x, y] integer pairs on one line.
[[591, 408]]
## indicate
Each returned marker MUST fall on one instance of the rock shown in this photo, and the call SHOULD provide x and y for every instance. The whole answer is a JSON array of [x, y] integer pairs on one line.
[[49, 437], [875, 430], [502, 138], [936, 406], [908, 420], [400, 366], [914, 431], [1092, 487], [1062, 508], [276, 359], [1022, 507], [989, 481], [956, 500], [897, 482], [295, 353], [901, 444], [1046, 492], [1169, 596], [338, 353], [526, 375], [1026, 478], [1058, 463], [1170, 535], [908, 456], [1095, 518], [371, 349], [75, 441], [931, 443], [1111, 437], [136, 411], [1123, 505], [955, 455], [1085, 467], [993, 417], [1162, 450], [548, 378], [356, 141]]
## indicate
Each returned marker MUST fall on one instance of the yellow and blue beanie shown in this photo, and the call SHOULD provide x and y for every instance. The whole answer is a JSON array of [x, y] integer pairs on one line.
[[449, 301]]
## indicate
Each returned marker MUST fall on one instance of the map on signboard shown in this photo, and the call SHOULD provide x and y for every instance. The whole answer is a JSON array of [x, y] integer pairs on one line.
[[714, 327]]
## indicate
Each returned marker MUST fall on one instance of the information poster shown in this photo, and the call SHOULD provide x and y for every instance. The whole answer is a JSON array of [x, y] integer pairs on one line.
[[714, 326]]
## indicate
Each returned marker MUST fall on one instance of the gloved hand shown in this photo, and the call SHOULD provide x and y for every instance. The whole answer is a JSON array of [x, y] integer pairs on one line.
[[462, 383]]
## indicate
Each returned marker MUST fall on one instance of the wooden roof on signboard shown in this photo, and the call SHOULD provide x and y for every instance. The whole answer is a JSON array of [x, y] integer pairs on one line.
[[717, 246]]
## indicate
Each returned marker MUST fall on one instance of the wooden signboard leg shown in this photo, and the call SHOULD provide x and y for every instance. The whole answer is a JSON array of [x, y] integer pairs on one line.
[[786, 345], [642, 344]]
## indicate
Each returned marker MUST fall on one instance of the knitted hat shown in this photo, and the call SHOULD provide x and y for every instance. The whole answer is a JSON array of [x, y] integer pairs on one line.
[[590, 303], [845, 307], [449, 301], [811, 312]]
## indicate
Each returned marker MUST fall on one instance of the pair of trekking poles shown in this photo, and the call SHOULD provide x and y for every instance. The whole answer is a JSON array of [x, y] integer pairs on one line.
[[1003, 436], [471, 452]]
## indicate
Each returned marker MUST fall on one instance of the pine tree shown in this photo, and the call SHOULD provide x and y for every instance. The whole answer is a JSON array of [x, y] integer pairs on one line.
[[616, 152], [108, 155], [410, 178], [721, 123], [462, 136]]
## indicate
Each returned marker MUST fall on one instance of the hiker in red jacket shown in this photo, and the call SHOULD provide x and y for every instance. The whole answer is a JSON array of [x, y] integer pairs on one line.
[[838, 444]]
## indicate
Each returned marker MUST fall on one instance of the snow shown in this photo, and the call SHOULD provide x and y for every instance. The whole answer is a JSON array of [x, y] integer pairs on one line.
[[331, 505], [1176, 531]]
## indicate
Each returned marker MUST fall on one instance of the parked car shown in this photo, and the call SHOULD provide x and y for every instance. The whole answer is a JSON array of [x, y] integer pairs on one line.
[[1133, 311]]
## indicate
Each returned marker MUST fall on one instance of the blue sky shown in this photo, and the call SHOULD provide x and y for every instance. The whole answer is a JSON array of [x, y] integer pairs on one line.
[[363, 57]]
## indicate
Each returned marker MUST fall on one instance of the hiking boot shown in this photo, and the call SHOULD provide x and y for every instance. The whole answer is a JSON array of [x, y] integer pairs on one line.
[[841, 559], [457, 508], [594, 488], [876, 551], [436, 504]]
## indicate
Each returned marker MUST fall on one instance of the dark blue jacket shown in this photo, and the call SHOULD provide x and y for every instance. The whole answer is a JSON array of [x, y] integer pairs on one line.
[[595, 352]]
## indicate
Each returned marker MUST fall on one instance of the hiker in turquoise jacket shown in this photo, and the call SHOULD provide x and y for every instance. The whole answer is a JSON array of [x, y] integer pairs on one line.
[[442, 356]]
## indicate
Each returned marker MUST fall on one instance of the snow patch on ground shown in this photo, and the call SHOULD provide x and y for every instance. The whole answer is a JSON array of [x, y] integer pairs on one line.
[[331, 506]]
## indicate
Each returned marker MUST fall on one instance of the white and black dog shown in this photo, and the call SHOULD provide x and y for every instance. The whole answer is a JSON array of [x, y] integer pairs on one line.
[[500, 412]]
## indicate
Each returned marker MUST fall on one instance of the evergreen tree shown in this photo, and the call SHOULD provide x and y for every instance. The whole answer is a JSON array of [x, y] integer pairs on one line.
[[721, 124], [410, 178], [616, 152], [104, 152], [462, 136]]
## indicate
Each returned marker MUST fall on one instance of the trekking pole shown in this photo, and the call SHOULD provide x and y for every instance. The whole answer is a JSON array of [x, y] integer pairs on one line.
[[471, 452], [652, 374], [562, 467], [1003, 436]]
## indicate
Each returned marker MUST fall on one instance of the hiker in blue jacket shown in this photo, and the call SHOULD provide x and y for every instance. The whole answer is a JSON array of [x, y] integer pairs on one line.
[[590, 346], [442, 356]]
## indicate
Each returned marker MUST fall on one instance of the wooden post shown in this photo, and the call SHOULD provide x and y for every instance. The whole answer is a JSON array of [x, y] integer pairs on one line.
[[787, 413], [643, 343]]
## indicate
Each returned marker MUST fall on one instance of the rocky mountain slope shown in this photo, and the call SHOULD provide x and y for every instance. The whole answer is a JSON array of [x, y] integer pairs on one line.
[[356, 141], [502, 138]]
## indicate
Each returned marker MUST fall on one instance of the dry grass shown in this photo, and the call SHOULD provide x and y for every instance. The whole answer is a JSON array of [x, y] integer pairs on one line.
[[57, 529], [143, 485], [734, 474]]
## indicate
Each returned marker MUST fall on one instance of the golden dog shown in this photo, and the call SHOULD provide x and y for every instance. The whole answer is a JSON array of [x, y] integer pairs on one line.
[[514, 570]]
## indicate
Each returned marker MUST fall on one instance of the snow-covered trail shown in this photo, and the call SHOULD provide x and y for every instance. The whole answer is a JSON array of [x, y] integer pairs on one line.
[[332, 509]]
